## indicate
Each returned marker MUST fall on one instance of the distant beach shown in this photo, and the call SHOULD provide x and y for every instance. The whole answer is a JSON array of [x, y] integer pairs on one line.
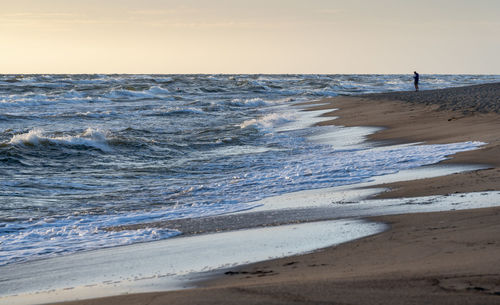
[[445, 256]]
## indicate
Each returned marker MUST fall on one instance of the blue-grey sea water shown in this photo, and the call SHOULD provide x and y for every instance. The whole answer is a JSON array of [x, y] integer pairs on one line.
[[83, 152]]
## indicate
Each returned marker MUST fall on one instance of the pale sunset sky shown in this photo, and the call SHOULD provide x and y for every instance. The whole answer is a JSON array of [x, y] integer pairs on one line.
[[257, 36]]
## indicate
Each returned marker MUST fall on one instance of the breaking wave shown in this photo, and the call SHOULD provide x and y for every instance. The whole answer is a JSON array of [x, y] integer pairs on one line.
[[89, 138], [268, 121]]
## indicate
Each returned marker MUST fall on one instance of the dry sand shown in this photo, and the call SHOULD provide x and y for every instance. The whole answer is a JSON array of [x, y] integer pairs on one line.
[[429, 258], [484, 98]]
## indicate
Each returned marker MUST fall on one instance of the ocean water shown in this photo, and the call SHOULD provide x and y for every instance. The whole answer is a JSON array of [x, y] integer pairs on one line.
[[79, 153]]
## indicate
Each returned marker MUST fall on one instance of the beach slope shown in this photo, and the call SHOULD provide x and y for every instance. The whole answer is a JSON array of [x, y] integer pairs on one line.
[[428, 258]]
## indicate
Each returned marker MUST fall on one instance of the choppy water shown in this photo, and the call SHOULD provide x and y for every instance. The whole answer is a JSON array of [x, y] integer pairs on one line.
[[82, 152]]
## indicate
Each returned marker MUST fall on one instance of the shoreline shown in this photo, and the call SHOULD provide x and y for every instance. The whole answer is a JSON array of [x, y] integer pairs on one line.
[[431, 123], [438, 257], [363, 271]]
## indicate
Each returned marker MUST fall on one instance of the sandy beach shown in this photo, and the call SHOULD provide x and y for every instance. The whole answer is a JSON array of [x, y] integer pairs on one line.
[[427, 258], [420, 118]]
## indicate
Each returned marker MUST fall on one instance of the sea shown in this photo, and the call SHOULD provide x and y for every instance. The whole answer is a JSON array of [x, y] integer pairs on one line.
[[80, 153]]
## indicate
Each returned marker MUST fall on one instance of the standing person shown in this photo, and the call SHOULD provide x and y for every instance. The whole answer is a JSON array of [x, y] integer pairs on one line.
[[415, 80]]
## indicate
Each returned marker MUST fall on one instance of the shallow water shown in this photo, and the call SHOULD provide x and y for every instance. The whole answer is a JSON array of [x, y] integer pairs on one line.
[[83, 152], [161, 265]]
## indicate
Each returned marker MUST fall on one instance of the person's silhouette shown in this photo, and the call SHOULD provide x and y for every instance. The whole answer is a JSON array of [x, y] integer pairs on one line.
[[416, 79]]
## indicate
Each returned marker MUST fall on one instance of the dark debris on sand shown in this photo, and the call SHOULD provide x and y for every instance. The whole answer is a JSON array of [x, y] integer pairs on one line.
[[482, 98]]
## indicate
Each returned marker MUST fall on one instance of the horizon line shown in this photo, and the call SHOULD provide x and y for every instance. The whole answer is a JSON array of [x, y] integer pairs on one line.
[[263, 73]]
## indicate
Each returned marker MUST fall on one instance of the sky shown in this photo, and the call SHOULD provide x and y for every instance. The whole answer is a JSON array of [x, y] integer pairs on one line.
[[258, 36]]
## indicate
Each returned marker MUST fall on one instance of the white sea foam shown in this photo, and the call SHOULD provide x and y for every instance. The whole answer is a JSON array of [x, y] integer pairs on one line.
[[128, 94], [24, 100], [91, 138], [156, 265], [49, 237], [253, 102], [55, 236], [178, 110], [158, 90], [152, 92], [268, 121], [17, 101], [96, 115], [73, 94]]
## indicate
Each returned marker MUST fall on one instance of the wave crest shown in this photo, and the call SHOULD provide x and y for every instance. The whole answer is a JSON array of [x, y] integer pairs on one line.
[[90, 138], [253, 102], [268, 121]]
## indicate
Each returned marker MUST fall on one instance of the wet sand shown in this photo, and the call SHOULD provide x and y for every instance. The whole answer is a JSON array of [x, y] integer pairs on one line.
[[409, 121], [427, 258]]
